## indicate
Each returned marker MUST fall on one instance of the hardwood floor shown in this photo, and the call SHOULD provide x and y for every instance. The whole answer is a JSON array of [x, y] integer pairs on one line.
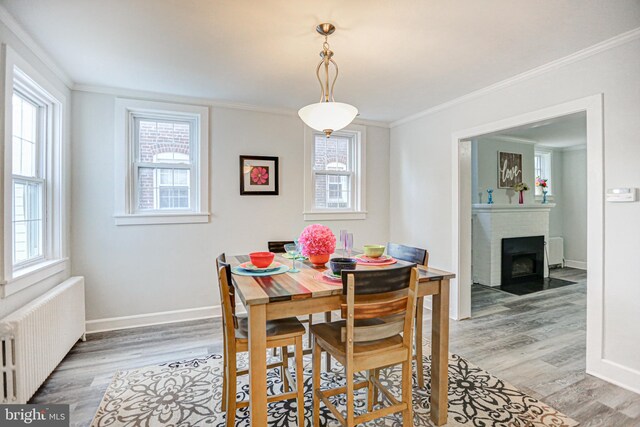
[[536, 342]]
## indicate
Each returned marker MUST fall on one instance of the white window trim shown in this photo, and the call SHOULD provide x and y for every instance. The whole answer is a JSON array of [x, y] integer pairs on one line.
[[357, 212], [548, 152], [125, 212], [55, 258]]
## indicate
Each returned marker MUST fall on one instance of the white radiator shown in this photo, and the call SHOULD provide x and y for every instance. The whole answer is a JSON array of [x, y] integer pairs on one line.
[[556, 251], [36, 337]]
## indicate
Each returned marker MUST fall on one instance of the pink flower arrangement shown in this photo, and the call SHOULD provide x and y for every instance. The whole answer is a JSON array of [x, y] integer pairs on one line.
[[317, 239], [540, 182]]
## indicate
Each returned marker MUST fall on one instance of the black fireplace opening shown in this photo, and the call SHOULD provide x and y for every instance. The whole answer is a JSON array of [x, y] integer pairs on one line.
[[522, 260]]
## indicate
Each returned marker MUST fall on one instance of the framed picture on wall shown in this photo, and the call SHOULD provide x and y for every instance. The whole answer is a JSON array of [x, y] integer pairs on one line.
[[258, 176], [509, 169]]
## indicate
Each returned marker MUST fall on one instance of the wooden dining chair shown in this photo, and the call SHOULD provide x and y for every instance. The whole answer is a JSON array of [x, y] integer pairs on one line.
[[376, 332], [421, 257], [277, 247], [280, 333]]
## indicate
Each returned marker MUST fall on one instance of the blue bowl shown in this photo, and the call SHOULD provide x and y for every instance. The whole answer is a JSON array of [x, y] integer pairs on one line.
[[339, 264]]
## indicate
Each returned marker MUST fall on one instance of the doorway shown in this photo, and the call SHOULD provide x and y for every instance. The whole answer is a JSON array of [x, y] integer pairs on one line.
[[461, 209], [533, 240]]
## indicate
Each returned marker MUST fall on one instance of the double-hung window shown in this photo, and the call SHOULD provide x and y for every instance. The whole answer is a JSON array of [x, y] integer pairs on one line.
[[161, 171], [28, 179], [164, 164], [542, 168], [34, 196], [335, 176]]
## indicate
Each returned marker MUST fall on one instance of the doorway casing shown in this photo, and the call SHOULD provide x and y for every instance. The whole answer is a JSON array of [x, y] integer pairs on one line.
[[461, 210]]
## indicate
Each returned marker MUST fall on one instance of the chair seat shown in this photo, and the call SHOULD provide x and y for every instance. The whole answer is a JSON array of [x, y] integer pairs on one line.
[[276, 329], [330, 335]]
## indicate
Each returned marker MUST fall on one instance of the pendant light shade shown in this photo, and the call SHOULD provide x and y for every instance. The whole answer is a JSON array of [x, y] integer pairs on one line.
[[327, 115]]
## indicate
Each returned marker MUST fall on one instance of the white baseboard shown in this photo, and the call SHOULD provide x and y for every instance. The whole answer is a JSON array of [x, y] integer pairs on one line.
[[575, 264], [150, 319], [615, 373]]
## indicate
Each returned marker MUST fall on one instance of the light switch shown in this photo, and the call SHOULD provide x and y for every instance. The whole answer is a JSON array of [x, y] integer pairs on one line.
[[622, 195]]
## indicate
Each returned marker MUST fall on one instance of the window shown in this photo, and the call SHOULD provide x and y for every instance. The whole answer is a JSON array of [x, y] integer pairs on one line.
[[27, 179], [336, 175], [168, 151], [542, 168], [34, 199]]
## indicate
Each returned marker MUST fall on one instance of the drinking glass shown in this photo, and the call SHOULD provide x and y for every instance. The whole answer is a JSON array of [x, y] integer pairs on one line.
[[343, 242], [349, 244], [293, 249]]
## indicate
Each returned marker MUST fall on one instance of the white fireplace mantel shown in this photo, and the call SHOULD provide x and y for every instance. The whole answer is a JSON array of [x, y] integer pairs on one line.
[[530, 207]]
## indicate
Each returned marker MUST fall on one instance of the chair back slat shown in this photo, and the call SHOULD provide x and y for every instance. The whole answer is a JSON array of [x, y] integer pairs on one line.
[[370, 282], [378, 309], [375, 329], [277, 247], [227, 292], [408, 253]]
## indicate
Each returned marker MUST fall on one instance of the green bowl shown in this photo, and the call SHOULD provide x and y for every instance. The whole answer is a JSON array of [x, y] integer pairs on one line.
[[373, 251]]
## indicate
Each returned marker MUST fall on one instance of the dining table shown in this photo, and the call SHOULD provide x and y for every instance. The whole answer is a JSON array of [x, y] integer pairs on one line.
[[303, 293]]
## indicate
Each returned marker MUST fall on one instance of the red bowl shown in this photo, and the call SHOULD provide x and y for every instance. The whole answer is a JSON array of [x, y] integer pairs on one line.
[[261, 259]]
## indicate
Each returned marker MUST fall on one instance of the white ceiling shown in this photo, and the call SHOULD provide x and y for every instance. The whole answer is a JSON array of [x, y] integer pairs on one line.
[[560, 132], [396, 58]]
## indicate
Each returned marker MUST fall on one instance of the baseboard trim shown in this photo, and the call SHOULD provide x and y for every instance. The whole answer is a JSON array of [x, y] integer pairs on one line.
[[622, 376], [151, 319], [581, 265]]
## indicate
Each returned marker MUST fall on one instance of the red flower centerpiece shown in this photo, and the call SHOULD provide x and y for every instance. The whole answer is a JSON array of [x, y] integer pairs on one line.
[[318, 243]]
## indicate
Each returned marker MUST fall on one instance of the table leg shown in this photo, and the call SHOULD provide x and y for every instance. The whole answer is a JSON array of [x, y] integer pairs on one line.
[[258, 365], [440, 355]]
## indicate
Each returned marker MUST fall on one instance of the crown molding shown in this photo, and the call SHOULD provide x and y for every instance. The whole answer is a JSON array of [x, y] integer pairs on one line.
[[575, 148], [156, 96], [7, 19], [611, 43], [504, 138]]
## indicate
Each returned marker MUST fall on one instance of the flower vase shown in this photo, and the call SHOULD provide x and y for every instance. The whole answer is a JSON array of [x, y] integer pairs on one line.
[[319, 260], [521, 197], [544, 197]]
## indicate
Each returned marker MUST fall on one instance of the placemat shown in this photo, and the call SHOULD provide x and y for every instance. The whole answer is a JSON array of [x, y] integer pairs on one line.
[[387, 262]]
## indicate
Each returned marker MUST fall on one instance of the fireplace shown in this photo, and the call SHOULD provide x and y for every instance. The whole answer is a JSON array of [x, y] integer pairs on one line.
[[522, 260]]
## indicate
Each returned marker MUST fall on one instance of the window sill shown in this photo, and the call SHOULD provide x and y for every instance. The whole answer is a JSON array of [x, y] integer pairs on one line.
[[32, 275], [162, 218], [334, 215]]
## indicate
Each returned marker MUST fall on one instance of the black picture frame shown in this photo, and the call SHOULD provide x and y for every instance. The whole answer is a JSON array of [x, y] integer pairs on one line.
[[250, 184]]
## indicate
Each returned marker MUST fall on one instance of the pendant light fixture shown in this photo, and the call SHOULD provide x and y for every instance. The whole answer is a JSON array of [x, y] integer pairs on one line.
[[327, 115]]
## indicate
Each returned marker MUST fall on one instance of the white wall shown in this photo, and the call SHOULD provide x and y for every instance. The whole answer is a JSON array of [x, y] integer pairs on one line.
[[421, 178], [556, 215], [7, 37], [485, 172], [574, 199], [133, 270]]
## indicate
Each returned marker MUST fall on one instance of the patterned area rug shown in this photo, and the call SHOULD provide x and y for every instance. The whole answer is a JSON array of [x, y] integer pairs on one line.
[[188, 393]]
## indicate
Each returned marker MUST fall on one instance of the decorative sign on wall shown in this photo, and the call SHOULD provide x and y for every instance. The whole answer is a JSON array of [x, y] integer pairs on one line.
[[509, 169], [258, 176]]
